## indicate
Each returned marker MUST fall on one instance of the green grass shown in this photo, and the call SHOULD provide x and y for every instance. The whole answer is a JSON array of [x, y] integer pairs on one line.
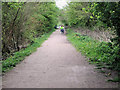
[[86, 45], [12, 61], [116, 79], [102, 54]]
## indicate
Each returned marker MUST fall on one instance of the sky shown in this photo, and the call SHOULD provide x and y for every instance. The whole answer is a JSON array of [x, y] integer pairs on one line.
[[61, 3]]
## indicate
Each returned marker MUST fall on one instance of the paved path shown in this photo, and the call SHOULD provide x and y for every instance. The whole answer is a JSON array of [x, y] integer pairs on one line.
[[56, 64]]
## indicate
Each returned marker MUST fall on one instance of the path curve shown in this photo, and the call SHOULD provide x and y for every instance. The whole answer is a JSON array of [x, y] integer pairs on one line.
[[56, 64]]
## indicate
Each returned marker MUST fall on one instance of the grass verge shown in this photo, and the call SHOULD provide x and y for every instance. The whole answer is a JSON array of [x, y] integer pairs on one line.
[[12, 61], [103, 54]]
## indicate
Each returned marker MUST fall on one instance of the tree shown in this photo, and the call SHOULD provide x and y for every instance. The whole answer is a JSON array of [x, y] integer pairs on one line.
[[23, 22]]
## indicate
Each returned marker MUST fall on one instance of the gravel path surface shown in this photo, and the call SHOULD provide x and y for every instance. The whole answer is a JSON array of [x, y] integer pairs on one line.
[[56, 64]]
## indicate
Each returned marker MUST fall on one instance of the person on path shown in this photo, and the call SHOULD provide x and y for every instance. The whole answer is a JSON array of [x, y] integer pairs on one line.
[[62, 28]]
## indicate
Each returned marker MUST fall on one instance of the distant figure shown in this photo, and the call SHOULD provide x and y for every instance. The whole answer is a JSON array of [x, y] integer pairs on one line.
[[62, 28]]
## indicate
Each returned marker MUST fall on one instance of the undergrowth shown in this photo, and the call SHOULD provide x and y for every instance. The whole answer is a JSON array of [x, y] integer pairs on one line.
[[12, 61], [103, 54]]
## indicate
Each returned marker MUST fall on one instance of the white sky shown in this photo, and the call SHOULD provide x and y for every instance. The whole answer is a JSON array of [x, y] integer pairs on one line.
[[61, 3]]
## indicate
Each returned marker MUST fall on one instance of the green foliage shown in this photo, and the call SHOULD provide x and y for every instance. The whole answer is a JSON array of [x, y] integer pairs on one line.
[[23, 22], [108, 13], [11, 26], [116, 79], [93, 14], [75, 14], [12, 61], [104, 54]]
